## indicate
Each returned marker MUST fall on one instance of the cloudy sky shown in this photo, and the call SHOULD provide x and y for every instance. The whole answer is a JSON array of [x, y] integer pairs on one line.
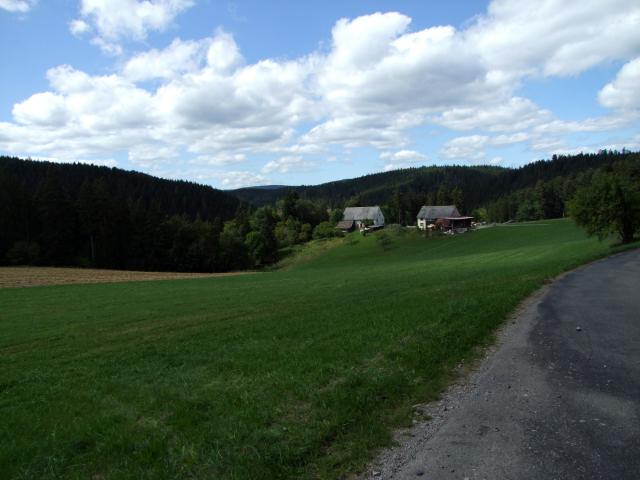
[[236, 93]]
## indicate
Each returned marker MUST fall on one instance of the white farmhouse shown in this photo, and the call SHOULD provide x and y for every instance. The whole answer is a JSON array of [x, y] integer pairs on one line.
[[429, 214], [445, 217]]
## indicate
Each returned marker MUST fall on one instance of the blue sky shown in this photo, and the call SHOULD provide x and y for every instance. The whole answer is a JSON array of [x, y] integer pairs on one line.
[[237, 93]]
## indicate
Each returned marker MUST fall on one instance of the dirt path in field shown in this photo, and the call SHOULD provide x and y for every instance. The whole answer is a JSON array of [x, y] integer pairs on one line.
[[13, 277], [557, 397]]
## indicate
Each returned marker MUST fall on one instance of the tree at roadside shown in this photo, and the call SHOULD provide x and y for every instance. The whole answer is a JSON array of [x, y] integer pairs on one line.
[[609, 203]]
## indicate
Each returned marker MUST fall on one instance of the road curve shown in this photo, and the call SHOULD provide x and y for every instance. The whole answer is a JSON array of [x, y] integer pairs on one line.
[[559, 398]]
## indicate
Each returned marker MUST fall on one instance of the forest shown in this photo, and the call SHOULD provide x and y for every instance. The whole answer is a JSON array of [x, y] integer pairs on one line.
[[90, 216]]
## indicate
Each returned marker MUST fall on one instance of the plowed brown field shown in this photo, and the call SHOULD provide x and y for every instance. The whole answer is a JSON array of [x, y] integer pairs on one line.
[[35, 276]]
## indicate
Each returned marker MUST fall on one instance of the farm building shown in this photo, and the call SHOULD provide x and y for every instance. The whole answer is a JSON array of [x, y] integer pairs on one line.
[[446, 217], [360, 217]]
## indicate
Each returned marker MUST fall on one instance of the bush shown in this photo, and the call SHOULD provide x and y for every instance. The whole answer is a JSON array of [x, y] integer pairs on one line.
[[326, 230], [306, 233], [385, 241]]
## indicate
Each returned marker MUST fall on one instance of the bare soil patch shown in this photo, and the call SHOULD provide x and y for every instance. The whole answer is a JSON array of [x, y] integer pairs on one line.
[[12, 277]]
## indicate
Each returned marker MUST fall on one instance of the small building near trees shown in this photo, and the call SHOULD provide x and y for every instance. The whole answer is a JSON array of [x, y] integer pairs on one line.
[[445, 217], [345, 225], [361, 217]]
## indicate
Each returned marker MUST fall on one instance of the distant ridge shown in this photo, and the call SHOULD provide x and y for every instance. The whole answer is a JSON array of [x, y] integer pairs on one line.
[[480, 184], [269, 187]]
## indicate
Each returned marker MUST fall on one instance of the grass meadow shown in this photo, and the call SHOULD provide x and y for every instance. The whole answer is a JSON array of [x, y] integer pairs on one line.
[[296, 373]]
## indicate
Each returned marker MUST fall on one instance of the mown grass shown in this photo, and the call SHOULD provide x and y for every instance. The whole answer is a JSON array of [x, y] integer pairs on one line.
[[290, 374]]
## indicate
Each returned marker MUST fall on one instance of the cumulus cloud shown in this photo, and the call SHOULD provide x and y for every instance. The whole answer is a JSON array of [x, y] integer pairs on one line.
[[402, 159], [220, 159], [240, 179], [178, 58], [114, 21], [465, 148], [288, 164], [209, 103], [556, 37], [624, 92], [17, 6], [516, 113], [79, 27], [151, 155], [220, 53], [471, 147]]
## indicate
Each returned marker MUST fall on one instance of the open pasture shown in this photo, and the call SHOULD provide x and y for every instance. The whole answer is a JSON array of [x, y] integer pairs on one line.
[[299, 373]]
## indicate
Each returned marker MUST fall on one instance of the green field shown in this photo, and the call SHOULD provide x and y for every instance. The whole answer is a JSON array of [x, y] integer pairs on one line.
[[298, 373]]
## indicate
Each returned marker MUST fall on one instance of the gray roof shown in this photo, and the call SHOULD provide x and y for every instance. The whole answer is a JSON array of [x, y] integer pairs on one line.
[[438, 211], [345, 225], [361, 213]]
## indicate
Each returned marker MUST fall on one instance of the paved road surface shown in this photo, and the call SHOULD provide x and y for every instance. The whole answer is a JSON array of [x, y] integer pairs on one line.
[[560, 399]]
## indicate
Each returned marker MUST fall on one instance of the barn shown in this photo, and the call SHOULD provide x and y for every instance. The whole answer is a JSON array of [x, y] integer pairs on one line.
[[360, 217], [446, 217]]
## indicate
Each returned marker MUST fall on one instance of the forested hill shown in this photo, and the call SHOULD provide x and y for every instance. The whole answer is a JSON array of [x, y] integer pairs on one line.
[[170, 197], [376, 188], [74, 214], [479, 185]]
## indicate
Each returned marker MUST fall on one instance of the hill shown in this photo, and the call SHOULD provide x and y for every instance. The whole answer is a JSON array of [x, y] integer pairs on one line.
[[170, 197], [469, 187], [292, 374], [375, 188], [75, 214]]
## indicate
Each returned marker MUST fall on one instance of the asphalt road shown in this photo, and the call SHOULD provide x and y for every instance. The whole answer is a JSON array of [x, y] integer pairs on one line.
[[560, 398]]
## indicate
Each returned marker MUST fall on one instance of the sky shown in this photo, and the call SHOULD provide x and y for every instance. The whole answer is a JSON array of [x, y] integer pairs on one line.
[[241, 93]]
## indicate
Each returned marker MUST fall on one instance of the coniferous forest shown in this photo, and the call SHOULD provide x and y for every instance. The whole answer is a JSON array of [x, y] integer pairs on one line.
[[84, 215]]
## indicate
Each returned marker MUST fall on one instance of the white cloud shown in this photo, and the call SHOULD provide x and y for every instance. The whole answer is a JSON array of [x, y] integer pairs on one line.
[[79, 27], [208, 102], [557, 37], [220, 53], [152, 154], [242, 179], [402, 159], [404, 156], [20, 6], [471, 148], [516, 113], [223, 53], [624, 92], [467, 148], [380, 79], [220, 159], [114, 21], [288, 164], [44, 109], [378, 69], [178, 58], [594, 124]]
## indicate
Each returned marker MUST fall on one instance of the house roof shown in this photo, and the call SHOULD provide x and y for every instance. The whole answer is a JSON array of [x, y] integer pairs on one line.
[[345, 224], [438, 211], [362, 213]]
